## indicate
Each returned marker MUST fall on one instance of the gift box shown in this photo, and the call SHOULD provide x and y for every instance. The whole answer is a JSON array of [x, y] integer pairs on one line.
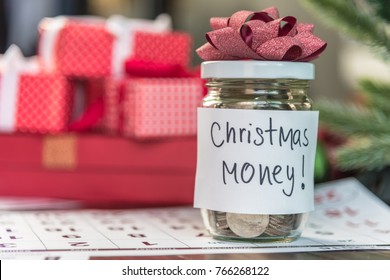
[[32, 100], [145, 108], [99, 171], [169, 48], [91, 47]]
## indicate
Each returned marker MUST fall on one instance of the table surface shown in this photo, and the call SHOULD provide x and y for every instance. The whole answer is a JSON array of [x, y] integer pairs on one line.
[[335, 255]]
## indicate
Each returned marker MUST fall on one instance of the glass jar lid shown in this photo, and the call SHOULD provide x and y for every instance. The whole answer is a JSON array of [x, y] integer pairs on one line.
[[256, 69]]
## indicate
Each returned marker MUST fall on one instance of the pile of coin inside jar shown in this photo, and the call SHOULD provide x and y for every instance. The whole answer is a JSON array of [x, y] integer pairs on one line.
[[252, 226]]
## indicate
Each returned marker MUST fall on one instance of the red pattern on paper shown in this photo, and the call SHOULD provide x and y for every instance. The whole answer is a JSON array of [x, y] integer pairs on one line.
[[350, 211], [84, 50], [162, 107], [170, 47], [370, 223], [44, 103], [352, 224], [156, 107], [333, 213], [318, 199]]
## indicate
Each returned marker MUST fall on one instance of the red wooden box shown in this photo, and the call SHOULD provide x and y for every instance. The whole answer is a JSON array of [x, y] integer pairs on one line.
[[98, 170]]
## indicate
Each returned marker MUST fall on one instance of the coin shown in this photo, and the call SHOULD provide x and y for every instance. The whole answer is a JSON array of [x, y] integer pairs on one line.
[[247, 225], [220, 218], [280, 225]]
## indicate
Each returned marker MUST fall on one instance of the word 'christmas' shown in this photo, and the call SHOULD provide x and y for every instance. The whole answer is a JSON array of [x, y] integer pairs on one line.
[[258, 136]]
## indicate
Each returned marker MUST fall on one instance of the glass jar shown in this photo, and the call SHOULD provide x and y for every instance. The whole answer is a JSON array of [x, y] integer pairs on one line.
[[256, 85]]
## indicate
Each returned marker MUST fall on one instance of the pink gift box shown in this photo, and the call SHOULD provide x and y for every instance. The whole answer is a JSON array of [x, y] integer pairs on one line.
[[145, 108], [43, 104]]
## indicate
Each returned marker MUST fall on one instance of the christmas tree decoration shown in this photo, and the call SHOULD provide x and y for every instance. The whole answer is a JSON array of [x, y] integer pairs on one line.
[[365, 124], [361, 20]]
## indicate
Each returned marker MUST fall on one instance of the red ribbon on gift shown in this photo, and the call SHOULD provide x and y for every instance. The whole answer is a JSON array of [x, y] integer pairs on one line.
[[260, 36], [151, 69], [91, 116]]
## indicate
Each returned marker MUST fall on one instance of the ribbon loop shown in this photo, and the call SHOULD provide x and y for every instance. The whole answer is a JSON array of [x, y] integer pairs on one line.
[[219, 22], [239, 18], [272, 11]]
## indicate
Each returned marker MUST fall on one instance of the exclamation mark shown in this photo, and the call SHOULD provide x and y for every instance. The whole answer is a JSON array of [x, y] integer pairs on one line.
[[303, 171]]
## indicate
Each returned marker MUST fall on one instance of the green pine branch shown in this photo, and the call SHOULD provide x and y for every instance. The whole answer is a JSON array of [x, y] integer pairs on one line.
[[369, 154], [366, 127], [382, 8], [354, 21], [351, 120], [378, 94]]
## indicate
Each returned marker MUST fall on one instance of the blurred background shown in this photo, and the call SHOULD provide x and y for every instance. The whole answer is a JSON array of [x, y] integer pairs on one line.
[[336, 70]]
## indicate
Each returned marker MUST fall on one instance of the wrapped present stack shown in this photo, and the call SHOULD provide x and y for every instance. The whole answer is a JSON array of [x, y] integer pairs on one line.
[[105, 113]]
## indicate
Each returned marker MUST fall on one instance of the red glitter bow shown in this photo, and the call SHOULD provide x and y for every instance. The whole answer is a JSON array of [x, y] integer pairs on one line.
[[261, 36]]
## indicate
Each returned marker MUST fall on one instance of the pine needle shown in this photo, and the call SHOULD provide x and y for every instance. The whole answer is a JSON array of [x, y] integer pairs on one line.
[[366, 127], [378, 94], [351, 120], [357, 23], [368, 154], [381, 7]]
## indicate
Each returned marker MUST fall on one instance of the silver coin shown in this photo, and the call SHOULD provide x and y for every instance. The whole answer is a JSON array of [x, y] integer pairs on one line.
[[280, 225], [247, 225], [220, 220]]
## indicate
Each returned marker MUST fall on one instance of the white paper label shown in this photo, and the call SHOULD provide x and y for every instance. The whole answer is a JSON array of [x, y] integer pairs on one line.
[[256, 161]]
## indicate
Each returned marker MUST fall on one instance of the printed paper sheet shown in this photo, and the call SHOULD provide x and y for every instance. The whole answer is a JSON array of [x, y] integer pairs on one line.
[[347, 217]]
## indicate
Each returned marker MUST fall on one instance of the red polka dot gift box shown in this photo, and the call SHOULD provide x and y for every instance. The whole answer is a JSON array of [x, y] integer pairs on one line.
[[145, 108], [91, 47], [169, 48], [31, 100]]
